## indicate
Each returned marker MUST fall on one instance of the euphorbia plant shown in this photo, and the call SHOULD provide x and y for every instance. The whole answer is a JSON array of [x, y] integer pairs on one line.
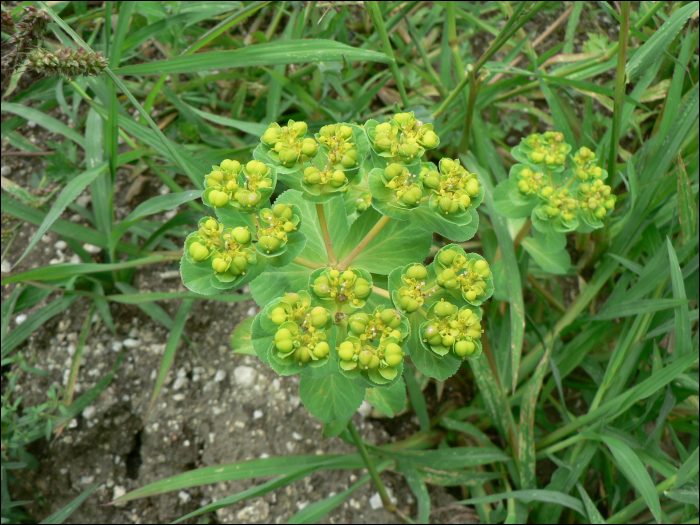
[[345, 297]]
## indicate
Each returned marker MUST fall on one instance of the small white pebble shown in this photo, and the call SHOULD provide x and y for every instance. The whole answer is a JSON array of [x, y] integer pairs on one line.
[[264, 455], [117, 346], [89, 412], [131, 343], [257, 414], [302, 504], [245, 376], [119, 491], [220, 376], [6, 267], [179, 397], [86, 480], [184, 497], [5, 171], [61, 245], [252, 311], [91, 248], [297, 436], [20, 318], [376, 501], [179, 383], [31, 124]]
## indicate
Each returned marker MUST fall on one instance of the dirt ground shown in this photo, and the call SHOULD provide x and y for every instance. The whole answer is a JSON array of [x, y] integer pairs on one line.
[[215, 408]]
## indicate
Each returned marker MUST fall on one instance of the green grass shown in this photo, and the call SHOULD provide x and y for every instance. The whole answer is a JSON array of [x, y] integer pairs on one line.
[[591, 373]]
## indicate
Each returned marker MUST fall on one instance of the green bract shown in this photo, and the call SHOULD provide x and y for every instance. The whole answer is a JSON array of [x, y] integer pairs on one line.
[[362, 209]]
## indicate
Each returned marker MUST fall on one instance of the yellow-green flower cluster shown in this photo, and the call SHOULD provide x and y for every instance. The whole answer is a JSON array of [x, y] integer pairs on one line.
[[274, 226], [302, 330], [225, 184], [452, 188], [411, 293], [453, 330], [558, 203], [287, 143], [470, 277], [235, 256], [373, 345], [347, 287], [404, 138], [407, 186], [315, 177], [586, 167], [341, 151], [207, 240], [596, 198], [530, 182], [548, 149]]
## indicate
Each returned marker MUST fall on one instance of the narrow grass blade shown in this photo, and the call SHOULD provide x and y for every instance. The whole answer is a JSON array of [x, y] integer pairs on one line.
[[683, 332], [19, 334], [150, 207], [242, 470], [8, 308], [151, 309], [63, 514], [61, 271], [252, 492], [317, 511], [659, 42], [45, 121], [451, 458], [417, 399], [224, 26], [526, 430], [688, 469], [100, 188], [687, 209], [633, 469], [594, 515], [420, 491], [268, 54], [126, 9], [166, 296], [644, 306], [547, 496], [685, 121], [74, 188], [378, 23], [169, 355]]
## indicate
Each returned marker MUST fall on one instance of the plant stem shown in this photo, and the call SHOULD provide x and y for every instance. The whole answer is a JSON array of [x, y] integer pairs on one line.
[[364, 242], [381, 291], [376, 17], [332, 261], [386, 501], [305, 262], [471, 102], [619, 88]]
